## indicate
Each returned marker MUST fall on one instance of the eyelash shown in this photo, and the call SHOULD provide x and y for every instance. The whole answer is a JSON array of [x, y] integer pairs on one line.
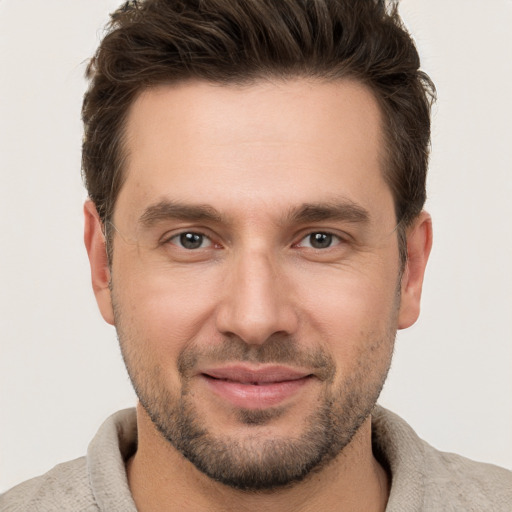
[[185, 233], [179, 236], [330, 236]]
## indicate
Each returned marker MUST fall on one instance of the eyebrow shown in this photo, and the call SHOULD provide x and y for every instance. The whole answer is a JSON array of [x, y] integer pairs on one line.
[[344, 210], [167, 210]]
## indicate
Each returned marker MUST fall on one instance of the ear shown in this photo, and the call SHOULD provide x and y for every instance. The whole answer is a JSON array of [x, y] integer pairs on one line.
[[97, 251], [419, 243]]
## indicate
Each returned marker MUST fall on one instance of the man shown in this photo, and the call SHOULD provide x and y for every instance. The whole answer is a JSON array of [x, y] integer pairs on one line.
[[256, 174]]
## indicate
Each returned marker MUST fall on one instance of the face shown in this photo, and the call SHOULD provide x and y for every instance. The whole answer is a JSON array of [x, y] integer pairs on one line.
[[255, 280]]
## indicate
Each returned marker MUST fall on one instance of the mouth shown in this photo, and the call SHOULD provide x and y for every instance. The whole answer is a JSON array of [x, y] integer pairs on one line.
[[255, 388]]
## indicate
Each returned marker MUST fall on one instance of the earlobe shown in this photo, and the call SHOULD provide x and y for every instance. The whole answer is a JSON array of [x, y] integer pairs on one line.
[[419, 243], [96, 249]]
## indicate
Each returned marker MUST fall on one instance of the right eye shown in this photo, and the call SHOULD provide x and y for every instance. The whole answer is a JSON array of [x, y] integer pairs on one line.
[[190, 240]]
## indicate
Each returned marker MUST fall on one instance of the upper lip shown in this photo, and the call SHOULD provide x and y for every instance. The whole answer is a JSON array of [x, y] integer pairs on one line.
[[263, 375]]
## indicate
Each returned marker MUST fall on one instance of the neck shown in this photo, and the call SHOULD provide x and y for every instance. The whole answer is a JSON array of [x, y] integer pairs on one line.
[[160, 478]]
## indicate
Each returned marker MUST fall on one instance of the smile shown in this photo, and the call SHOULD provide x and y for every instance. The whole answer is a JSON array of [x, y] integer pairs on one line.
[[255, 389]]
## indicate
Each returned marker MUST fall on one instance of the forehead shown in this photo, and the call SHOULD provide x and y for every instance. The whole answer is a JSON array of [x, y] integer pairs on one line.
[[266, 145]]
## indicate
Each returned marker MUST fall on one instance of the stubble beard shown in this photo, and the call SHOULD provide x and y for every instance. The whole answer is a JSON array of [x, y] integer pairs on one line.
[[256, 462]]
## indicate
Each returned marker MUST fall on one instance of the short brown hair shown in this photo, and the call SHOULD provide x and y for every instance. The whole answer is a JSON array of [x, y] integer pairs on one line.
[[150, 42]]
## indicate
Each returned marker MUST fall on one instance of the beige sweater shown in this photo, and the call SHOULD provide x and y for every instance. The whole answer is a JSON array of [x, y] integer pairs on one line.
[[423, 479]]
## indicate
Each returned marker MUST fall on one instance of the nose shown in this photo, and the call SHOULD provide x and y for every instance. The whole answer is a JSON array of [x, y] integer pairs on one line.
[[256, 300]]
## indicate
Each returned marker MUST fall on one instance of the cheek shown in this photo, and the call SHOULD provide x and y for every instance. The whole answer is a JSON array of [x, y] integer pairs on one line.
[[341, 308], [353, 314], [156, 319], [348, 300], [165, 308]]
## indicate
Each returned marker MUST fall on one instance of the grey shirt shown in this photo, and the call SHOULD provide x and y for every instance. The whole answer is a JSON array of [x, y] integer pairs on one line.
[[423, 479]]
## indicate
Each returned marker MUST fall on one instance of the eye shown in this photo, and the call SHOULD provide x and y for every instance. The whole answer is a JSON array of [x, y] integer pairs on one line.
[[319, 240], [190, 240]]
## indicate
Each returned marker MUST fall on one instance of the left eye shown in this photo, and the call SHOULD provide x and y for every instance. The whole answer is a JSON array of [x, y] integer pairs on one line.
[[319, 240], [190, 240]]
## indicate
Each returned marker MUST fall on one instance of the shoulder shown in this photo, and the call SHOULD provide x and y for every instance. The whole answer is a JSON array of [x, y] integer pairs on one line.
[[88, 484], [473, 485], [65, 487], [435, 480]]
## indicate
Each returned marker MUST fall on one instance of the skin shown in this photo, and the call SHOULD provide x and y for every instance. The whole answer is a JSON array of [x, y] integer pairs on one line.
[[255, 154]]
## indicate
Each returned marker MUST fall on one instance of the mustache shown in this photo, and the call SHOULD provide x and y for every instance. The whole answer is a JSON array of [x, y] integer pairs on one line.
[[278, 349]]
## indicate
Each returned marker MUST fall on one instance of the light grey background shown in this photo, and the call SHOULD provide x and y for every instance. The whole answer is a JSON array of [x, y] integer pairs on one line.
[[60, 369]]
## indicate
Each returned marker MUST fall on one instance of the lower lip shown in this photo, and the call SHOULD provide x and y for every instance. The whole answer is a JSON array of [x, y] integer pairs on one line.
[[251, 396]]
